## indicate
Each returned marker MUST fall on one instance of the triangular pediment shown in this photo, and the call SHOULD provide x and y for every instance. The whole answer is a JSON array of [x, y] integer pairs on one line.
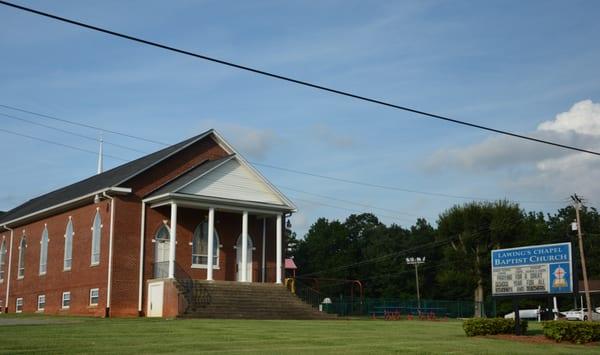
[[233, 180]]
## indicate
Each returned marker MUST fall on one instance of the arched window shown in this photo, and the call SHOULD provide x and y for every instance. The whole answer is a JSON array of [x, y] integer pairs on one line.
[[163, 233], [200, 246], [21, 265], [161, 252], [96, 235], [68, 246], [2, 259], [44, 251]]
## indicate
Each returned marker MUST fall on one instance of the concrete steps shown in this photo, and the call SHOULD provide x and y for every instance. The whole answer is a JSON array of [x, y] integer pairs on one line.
[[226, 299]]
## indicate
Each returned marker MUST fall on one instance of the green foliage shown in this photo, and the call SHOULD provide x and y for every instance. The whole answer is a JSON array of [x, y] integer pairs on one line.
[[457, 251], [491, 326], [576, 332]]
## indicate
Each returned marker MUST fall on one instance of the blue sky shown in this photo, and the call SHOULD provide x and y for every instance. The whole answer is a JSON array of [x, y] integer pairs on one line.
[[530, 67]]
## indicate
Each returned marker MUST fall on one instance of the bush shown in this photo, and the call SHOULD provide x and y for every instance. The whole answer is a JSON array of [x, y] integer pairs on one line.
[[491, 326], [576, 332]]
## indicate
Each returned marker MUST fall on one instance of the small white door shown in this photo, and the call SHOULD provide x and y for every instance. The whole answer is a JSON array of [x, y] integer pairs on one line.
[[239, 259], [155, 299]]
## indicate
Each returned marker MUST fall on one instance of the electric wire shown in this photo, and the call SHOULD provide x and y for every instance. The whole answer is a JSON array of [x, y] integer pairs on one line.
[[71, 133], [59, 144], [406, 251], [294, 171], [297, 81], [394, 218], [58, 119]]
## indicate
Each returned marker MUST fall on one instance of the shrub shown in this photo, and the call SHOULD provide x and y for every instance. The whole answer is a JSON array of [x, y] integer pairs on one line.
[[576, 332], [491, 326]]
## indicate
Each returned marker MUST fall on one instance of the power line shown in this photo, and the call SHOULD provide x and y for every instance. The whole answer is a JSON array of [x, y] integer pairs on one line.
[[71, 133], [387, 187], [332, 178], [215, 181], [406, 251], [83, 124], [59, 144], [297, 81], [348, 201]]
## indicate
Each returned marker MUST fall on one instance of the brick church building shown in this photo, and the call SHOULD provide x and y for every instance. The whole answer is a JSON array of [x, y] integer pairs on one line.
[[147, 238]]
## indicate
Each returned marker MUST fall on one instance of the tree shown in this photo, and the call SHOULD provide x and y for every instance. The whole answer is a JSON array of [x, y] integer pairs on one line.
[[473, 230]]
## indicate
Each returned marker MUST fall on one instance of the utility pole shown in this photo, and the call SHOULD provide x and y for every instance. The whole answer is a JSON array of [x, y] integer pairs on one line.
[[577, 200], [416, 261]]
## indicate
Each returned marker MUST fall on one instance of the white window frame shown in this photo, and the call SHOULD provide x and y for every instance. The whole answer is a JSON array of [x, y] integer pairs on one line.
[[44, 251], [69, 235], [92, 290], [39, 299], [19, 301], [216, 245], [21, 264], [62, 303], [2, 259], [96, 238]]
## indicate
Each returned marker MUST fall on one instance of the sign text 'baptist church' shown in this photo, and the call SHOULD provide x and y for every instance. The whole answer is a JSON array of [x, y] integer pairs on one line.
[[532, 269]]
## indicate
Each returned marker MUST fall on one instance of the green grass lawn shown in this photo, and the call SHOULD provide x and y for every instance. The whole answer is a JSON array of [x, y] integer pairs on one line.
[[140, 335]]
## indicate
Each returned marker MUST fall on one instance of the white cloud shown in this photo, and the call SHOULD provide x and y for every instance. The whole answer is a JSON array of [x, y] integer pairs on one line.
[[545, 169], [580, 126], [582, 118]]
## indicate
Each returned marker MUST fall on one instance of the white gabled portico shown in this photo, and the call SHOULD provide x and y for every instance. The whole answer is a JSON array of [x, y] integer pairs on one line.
[[229, 185]]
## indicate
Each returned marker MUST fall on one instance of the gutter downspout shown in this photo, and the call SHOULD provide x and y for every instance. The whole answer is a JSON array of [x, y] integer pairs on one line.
[[264, 236], [141, 280], [9, 267], [110, 252]]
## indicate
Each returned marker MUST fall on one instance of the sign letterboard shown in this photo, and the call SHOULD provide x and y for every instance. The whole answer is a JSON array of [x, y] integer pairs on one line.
[[538, 269]]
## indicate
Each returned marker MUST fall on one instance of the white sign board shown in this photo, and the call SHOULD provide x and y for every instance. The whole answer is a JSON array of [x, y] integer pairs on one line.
[[538, 269]]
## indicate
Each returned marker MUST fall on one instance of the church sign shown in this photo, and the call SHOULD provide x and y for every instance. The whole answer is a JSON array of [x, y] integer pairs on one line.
[[537, 269]]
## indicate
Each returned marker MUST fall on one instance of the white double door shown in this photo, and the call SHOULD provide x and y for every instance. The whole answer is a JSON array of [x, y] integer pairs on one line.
[[238, 248]]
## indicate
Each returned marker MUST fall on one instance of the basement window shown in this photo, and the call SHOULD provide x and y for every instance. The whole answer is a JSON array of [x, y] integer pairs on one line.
[[94, 296], [41, 303], [19, 305], [66, 300]]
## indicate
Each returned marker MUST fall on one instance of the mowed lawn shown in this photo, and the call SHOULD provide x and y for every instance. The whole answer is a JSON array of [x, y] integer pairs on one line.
[[85, 335]]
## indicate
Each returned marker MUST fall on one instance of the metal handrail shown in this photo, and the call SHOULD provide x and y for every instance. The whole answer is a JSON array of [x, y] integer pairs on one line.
[[307, 294]]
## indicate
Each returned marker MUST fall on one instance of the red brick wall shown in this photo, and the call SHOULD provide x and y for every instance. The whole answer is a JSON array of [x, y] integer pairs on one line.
[[79, 280], [125, 268], [175, 165], [126, 259]]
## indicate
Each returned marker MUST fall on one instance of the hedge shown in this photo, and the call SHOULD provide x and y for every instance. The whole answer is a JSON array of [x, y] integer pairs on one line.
[[576, 332], [491, 326]]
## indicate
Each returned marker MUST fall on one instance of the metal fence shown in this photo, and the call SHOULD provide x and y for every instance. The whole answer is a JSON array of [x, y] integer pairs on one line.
[[379, 306]]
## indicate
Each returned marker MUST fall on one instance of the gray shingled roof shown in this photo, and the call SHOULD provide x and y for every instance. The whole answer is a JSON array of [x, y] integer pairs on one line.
[[183, 179], [110, 178]]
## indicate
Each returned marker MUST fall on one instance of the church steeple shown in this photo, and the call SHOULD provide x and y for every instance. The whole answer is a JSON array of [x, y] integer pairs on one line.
[[100, 156]]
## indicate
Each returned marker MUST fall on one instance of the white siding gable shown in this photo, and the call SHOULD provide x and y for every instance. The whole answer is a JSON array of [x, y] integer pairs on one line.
[[233, 181]]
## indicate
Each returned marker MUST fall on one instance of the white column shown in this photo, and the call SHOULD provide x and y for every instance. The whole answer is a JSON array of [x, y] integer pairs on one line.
[[211, 245], [172, 240], [244, 270], [264, 237], [278, 246]]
